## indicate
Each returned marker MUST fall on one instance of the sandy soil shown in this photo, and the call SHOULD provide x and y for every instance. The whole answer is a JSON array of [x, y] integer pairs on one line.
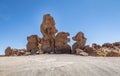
[[59, 65]]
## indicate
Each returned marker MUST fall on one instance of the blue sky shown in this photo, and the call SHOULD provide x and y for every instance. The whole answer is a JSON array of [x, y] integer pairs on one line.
[[98, 19]]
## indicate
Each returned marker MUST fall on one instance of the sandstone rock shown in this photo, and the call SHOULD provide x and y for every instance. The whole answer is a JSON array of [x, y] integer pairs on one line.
[[33, 44], [81, 52], [80, 38], [108, 45], [84, 54], [116, 44], [46, 46], [48, 28], [90, 51], [15, 52], [113, 53], [96, 46], [27, 53], [78, 51], [8, 51], [80, 42], [61, 43], [103, 51], [48, 31]]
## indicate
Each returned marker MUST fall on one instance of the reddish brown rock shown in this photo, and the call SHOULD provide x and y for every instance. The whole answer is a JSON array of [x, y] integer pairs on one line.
[[113, 53], [47, 27], [78, 51], [81, 52], [96, 46], [61, 43], [15, 52], [8, 51], [33, 44], [48, 31], [108, 45], [80, 42], [80, 38], [117, 44], [90, 51]]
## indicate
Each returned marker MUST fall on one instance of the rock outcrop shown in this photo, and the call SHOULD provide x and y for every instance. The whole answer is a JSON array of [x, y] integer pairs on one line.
[[15, 52], [8, 51], [80, 42], [61, 43], [96, 46], [34, 44], [48, 31], [90, 50], [57, 43], [109, 50], [81, 52]]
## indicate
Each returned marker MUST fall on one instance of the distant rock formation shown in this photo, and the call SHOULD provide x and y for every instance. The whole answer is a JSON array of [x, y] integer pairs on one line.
[[81, 52], [80, 42], [15, 52], [57, 43], [52, 43], [34, 44], [61, 46], [48, 31], [8, 51], [109, 49], [90, 50]]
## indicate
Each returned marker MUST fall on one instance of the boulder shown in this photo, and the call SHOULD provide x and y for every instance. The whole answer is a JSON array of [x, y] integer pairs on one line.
[[80, 38], [113, 53], [90, 51], [80, 42], [78, 51], [81, 52], [108, 45], [47, 27], [33, 44], [15, 52], [48, 31], [61, 43], [8, 51], [96, 46]]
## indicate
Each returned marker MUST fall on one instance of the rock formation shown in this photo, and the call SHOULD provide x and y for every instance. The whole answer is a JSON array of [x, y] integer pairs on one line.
[[33, 44], [15, 52], [109, 49], [80, 42], [61, 46], [95, 46], [48, 31], [81, 52], [58, 43], [90, 50], [108, 45], [8, 51]]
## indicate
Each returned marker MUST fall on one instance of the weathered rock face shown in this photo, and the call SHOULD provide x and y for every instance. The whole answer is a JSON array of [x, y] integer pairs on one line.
[[80, 42], [15, 52], [80, 38], [108, 45], [48, 30], [110, 49], [116, 44], [96, 46], [33, 44], [90, 51], [61, 43], [8, 51]]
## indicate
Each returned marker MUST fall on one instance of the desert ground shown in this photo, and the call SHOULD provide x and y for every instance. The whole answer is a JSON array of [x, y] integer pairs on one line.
[[59, 65]]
